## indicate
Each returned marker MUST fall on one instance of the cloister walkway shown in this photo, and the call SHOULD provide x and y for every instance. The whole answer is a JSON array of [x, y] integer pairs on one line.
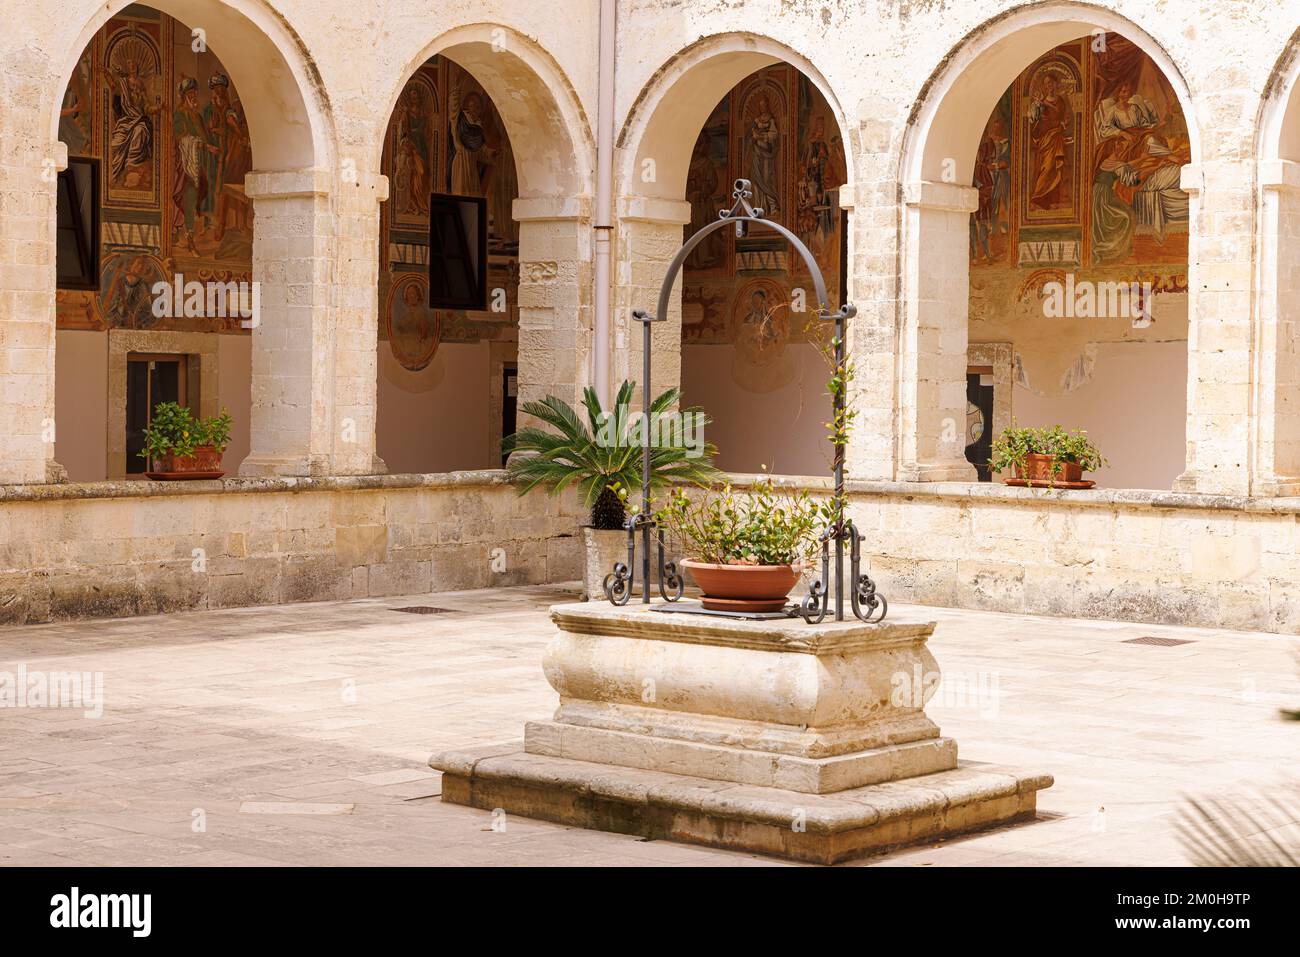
[[298, 734]]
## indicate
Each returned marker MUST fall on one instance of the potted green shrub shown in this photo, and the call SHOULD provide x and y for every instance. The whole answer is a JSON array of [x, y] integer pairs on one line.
[[179, 446], [1045, 457], [599, 453], [747, 548]]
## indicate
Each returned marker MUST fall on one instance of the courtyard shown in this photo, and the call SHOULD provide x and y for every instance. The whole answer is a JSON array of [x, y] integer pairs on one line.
[[300, 735]]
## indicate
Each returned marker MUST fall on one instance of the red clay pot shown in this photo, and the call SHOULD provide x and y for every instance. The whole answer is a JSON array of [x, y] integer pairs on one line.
[[1038, 468], [205, 463], [752, 588]]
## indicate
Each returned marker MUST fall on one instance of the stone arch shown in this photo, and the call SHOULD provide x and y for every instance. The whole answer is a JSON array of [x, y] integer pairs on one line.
[[950, 111], [554, 150], [935, 165], [549, 131], [667, 115], [290, 122], [658, 133], [295, 393], [1276, 453]]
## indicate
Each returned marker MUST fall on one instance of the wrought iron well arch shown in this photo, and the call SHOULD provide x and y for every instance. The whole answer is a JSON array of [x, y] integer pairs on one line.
[[866, 603]]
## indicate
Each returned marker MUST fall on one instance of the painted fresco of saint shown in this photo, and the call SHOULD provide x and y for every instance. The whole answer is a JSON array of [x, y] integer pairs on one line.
[[77, 112], [1050, 138], [127, 297], [413, 328], [1138, 170], [413, 180], [992, 180], [469, 146], [818, 181], [132, 68], [227, 167], [762, 149], [191, 183]]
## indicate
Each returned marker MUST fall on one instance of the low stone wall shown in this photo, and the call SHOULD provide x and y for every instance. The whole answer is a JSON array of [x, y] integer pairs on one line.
[[1199, 560], [135, 548]]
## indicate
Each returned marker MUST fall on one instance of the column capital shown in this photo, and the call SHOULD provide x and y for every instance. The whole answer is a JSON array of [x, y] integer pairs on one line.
[[287, 184], [537, 208], [949, 197], [648, 209]]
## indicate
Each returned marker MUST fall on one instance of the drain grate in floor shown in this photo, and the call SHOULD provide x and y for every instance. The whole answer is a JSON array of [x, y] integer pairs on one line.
[[426, 610], [1158, 642]]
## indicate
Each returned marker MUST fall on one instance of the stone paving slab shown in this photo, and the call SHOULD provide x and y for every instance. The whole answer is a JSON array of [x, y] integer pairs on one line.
[[342, 703]]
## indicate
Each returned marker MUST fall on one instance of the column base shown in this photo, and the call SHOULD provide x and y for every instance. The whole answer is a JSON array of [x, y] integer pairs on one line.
[[1201, 483], [55, 474], [817, 828], [1277, 486], [261, 466], [950, 471]]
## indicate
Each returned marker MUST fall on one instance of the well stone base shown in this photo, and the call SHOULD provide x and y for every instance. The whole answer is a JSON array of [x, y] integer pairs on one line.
[[817, 828], [808, 741]]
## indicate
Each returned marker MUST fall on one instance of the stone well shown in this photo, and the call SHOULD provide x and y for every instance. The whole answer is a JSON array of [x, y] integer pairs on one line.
[[773, 736]]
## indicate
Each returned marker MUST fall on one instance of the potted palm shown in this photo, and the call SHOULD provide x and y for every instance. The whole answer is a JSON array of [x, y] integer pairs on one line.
[[747, 548], [599, 454], [179, 446], [1045, 457]]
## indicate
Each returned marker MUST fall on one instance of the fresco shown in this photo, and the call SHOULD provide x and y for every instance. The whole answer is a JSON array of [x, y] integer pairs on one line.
[[1079, 165], [774, 129], [168, 127], [1078, 173], [445, 135]]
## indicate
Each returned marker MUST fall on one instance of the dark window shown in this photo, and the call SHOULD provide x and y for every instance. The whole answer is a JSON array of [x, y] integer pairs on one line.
[[150, 381], [979, 421], [509, 403], [77, 236], [457, 252]]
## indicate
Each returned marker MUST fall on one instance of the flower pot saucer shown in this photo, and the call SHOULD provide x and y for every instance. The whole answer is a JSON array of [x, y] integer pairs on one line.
[[184, 476], [1043, 483]]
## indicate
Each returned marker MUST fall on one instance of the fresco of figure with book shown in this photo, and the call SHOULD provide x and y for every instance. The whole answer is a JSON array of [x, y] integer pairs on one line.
[[1079, 164], [776, 130], [167, 125]]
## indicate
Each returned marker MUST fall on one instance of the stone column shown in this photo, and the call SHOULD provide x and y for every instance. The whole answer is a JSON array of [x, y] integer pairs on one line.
[[1219, 346], [650, 233], [1277, 457], [932, 341], [555, 297], [873, 289], [28, 183], [313, 376]]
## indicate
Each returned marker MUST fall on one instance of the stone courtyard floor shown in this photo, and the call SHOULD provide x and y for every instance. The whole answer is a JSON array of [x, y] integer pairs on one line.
[[299, 734]]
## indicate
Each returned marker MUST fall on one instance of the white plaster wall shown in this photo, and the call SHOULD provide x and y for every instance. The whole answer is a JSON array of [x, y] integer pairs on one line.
[[81, 401], [783, 430], [1134, 409], [437, 419]]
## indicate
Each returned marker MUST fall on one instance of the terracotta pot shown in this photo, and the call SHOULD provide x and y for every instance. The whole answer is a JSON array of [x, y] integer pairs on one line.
[[205, 463], [743, 587], [1038, 468]]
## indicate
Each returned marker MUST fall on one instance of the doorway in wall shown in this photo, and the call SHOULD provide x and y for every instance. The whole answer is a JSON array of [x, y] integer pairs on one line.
[[151, 379]]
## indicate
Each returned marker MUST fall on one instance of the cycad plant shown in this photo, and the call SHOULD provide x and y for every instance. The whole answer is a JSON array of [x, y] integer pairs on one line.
[[601, 456]]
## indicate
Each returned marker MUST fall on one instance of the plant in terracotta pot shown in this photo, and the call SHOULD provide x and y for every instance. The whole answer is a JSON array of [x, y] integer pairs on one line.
[[748, 547], [599, 453], [180, 446], [1045, 457]]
